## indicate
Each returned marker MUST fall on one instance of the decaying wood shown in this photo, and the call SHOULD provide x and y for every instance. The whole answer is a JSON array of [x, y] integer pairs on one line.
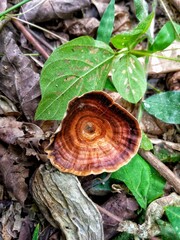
[[155, 211], [65, 205], [162, 169]]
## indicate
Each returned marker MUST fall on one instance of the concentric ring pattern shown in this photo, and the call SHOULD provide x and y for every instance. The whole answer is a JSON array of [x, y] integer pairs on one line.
[[96, 135]]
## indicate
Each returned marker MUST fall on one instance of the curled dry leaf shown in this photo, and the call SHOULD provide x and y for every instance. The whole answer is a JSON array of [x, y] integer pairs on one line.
[[10, 130], [173, 81], [11, 221], [80, 27], [154, 212], [44, 11], [32, 135], [122, 18], [7, 107], [14, 172], [25, 231], [65, 205], [17, 74], [153, 126], [26, 135]]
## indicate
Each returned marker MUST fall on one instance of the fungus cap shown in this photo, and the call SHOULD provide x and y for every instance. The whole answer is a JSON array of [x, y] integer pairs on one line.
[[97, 135]]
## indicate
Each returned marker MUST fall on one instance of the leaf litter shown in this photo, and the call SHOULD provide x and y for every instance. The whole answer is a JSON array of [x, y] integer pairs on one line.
[[23, 139]]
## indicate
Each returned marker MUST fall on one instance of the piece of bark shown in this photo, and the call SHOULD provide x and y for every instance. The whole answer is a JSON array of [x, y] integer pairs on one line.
[[65, 205], [155, 211]]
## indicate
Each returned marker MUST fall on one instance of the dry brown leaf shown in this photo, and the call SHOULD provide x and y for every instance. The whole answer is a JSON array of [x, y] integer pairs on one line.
[[7, 107], [173, 81], [176, 3], [25, 230], [11, 221], [65, 205], [31, 138], [120, 205], [159, 65], [17, 74], [100, 6], [14, 172], [10, 130], [3, 5], [122, 18], [27, 135], [79, 27], [153, 126], [44, 11]]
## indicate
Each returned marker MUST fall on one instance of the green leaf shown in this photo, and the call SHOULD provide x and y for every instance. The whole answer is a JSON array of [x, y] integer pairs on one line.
[[167, 231], [164, 106], [177, 30], [165, 154], [77, 67], [141, 8], [36, 233], [142, 180], [130, 39], [109, 86], [164, 38], [146, 143], [107, 23], [173, 214], [156, 187], [129, 78]]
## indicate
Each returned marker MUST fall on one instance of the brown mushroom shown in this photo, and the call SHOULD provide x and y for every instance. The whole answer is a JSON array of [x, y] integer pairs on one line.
[[97, 135]]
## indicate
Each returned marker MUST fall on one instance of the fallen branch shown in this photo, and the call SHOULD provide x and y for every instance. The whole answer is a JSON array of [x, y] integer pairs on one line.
[[162, 169], [30, 38]]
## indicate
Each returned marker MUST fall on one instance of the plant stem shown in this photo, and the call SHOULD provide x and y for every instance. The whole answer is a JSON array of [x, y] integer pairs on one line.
[[142, 53], [155, 89], [13, 7], [162, 169]]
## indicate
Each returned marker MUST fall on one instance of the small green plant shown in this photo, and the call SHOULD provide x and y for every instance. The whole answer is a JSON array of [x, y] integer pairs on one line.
[[83, 64], [36, 232], [4, 13]]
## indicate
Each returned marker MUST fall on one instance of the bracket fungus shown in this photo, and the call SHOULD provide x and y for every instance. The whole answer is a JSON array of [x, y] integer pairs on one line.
[[97, 135]]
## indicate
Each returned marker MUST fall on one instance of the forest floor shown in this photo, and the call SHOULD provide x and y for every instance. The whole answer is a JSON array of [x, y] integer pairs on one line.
[[27, 39]]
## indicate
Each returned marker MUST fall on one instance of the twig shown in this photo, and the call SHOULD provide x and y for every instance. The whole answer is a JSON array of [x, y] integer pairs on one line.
[[111, 215], [162, 169], [41, 40], [30, 38], [63, 40]]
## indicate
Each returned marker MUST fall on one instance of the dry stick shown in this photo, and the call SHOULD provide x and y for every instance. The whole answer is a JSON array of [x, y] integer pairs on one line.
[[109, 214], [162, 169], [30, 38], [40, 39]]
